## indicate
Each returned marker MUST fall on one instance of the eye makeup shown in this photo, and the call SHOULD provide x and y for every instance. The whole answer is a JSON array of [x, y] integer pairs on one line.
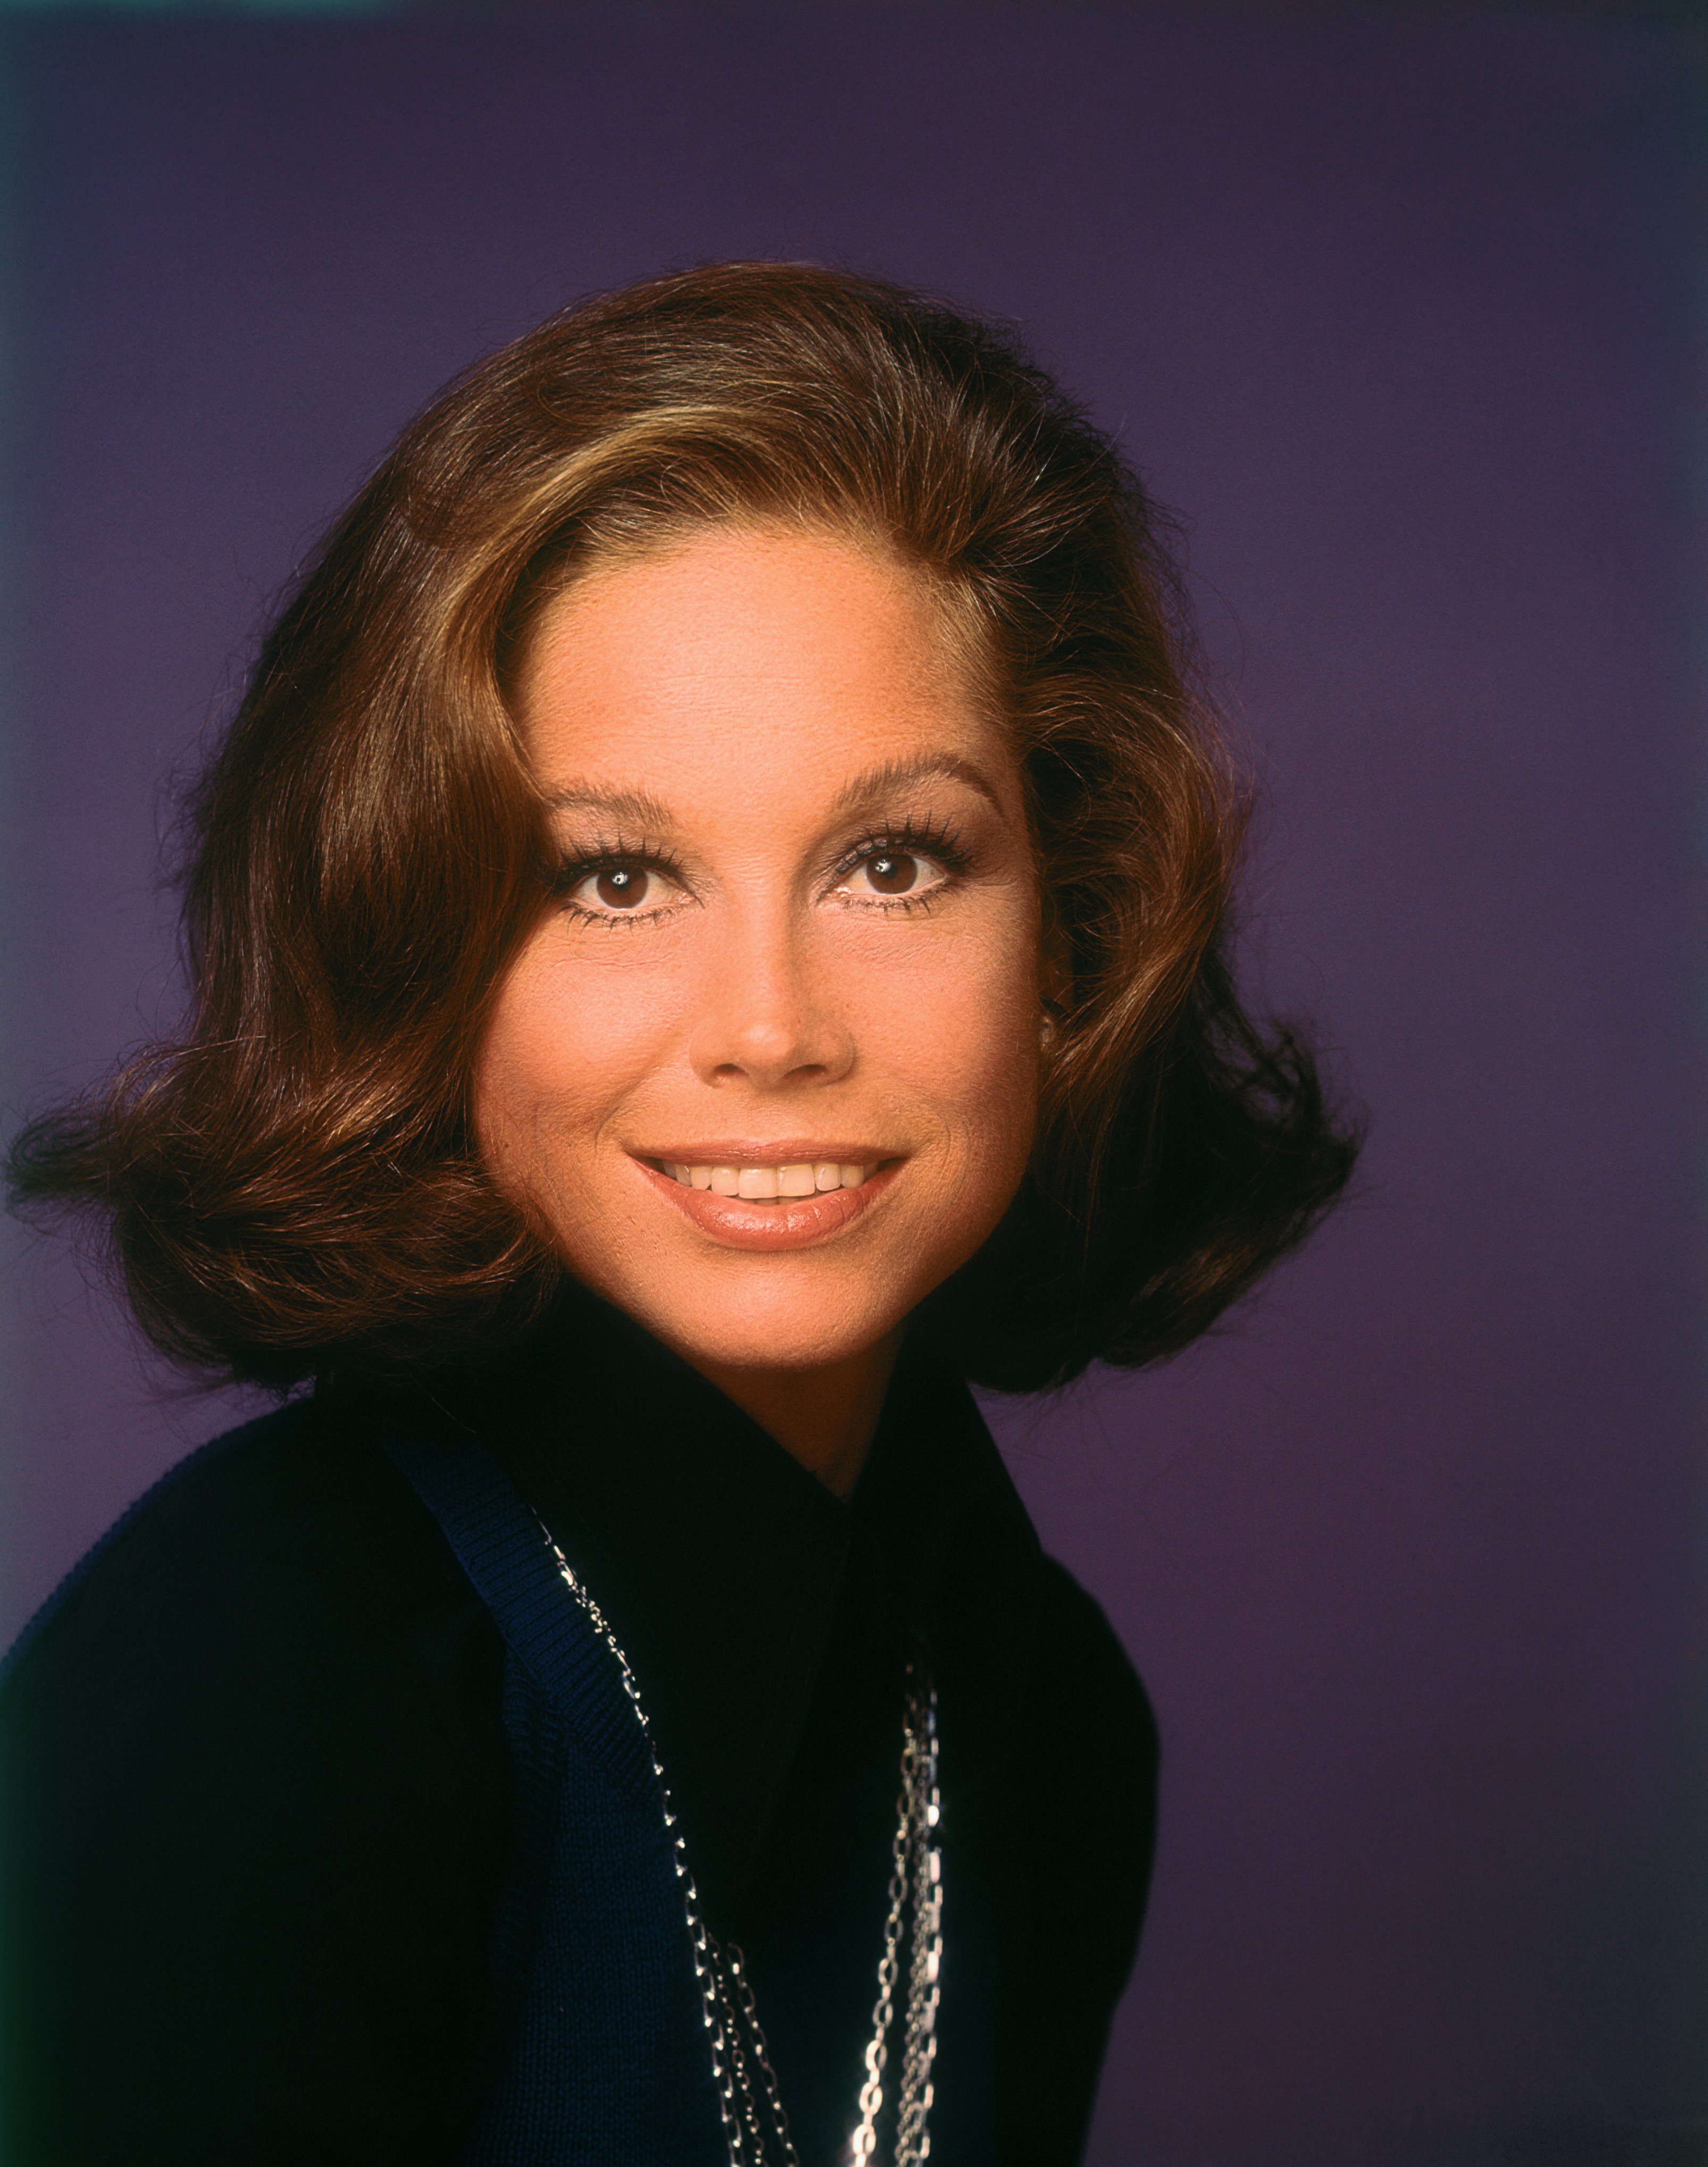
[[936, 840], [886, 853], [619, 879]]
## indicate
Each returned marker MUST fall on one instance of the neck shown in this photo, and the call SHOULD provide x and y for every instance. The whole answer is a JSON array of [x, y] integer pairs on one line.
[[825, 1418]]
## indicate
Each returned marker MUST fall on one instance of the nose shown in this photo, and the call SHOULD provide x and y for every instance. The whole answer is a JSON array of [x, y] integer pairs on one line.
[[769, 1017]]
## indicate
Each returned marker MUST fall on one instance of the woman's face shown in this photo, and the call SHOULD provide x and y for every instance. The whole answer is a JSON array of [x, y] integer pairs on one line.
[[793, 954]]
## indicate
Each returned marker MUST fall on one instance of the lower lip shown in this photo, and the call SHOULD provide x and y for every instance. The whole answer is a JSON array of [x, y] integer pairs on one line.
[[796, 1224]]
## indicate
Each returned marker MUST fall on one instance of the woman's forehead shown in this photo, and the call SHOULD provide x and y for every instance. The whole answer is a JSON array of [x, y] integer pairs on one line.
[[733, 657]]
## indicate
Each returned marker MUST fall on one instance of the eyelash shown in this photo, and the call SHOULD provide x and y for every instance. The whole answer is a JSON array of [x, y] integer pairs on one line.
[[927, 838], [607, 857], [931, 839]]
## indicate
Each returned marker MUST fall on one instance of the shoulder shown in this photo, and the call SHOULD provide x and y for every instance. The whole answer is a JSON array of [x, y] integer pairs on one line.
[[1019, 1623], [1042, 1632], [279, 1549], [1089, 1720], [1089, 1673], [1084, 1834], [255, 1794]]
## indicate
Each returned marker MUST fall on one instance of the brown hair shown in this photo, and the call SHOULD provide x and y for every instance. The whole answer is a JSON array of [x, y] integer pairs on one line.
[[295, 1185]]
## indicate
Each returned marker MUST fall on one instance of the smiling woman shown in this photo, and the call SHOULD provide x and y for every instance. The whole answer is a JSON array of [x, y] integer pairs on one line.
[[817, 949], [706, 934]]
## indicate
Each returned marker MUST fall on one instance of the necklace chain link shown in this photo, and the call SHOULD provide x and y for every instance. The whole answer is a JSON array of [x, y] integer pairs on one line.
[[755, 2124]]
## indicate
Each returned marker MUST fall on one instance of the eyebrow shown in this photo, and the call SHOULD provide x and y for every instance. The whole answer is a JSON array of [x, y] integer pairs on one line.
[[637, 808], [896, 774], [634, 808]]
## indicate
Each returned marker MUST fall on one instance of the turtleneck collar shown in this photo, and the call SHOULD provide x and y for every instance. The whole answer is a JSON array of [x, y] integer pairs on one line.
[[728, 1570]]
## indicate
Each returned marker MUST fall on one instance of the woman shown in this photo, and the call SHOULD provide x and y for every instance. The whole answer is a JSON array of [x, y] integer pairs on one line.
[[707, 934]]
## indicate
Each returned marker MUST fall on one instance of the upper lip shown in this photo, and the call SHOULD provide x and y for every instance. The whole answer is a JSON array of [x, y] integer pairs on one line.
[[792, 1150]]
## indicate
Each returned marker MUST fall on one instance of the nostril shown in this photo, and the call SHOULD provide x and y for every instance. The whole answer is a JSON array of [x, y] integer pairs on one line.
[[768, 1054], [808, 1072]]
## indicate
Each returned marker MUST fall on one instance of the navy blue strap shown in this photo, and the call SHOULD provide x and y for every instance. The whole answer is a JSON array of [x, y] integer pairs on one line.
[[608, 2063], [500, 1544]]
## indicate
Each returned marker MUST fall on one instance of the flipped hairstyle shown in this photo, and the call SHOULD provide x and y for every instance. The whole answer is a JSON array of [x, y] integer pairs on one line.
[[292, 1186]]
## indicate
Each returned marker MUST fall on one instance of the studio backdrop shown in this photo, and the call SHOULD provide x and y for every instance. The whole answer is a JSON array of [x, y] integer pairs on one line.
[[1392, 305]]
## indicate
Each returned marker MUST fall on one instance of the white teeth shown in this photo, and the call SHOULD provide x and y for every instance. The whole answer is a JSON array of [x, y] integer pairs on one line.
[[767, 1185]]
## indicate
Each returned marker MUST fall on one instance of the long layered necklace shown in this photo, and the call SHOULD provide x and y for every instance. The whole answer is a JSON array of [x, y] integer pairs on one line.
[[755, 2124]]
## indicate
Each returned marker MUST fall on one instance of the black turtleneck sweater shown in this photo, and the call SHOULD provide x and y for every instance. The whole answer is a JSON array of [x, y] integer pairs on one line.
[[258, 1789]]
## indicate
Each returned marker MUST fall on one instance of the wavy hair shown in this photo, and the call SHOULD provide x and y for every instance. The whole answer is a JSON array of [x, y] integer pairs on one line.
[[293, 1185]]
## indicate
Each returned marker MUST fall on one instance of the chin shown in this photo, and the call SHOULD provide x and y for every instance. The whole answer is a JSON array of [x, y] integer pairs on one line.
[[763, 1325]]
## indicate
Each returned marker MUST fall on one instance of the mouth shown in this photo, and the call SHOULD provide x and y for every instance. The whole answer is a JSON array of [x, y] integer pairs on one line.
[[770, 1181], [772, 1197]]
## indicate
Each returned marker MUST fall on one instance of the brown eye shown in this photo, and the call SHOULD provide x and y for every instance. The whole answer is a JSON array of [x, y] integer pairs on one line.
[[888, 872], [892, 872], [618, 887], [623, 887]]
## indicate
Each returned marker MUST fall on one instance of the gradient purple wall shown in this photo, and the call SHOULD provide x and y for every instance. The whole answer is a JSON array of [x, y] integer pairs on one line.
[[1393, 305]]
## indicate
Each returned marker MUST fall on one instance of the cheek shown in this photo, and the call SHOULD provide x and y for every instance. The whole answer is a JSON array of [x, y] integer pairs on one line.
[[964, 1037], [567, 1041]]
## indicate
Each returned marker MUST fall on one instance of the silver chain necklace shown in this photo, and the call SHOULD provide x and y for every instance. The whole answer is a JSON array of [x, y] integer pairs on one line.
[[755, 2124]]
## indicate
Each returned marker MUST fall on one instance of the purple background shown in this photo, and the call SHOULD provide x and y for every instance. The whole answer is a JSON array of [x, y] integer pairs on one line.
[[1393, 303]]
